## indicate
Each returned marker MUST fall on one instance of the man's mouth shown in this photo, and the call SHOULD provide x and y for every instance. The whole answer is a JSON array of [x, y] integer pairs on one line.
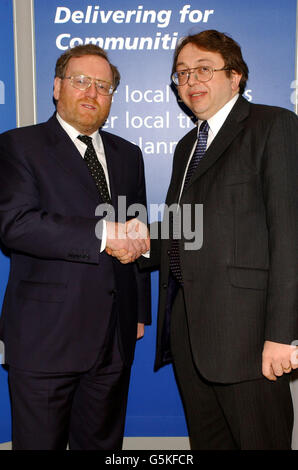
[[88, 106], [197, 94]]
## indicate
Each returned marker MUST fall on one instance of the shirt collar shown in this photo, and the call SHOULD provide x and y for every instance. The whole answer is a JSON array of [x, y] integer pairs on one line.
[[217, 120], [73, 133]]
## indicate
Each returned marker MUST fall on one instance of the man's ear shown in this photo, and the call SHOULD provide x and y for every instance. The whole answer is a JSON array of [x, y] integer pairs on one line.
[[57, 87], [235, 77]]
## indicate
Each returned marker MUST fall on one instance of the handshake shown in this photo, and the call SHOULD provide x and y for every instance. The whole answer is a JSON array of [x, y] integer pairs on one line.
[[127, 241]]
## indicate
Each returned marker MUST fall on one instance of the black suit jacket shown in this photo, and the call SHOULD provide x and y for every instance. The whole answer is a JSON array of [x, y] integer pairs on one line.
[[61, 289], [241, 286]]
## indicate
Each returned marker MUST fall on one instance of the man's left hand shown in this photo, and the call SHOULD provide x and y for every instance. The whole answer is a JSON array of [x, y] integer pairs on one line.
[[278, 359]]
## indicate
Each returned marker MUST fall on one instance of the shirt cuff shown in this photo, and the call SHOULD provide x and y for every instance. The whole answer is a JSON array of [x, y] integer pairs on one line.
[[104, 236]]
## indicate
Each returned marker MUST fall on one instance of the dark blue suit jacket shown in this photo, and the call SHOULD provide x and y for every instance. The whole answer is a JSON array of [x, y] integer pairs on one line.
[[61, 289]]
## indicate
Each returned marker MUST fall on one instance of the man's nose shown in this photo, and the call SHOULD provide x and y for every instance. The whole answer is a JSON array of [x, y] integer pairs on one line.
[[192, 77], [91, 91]]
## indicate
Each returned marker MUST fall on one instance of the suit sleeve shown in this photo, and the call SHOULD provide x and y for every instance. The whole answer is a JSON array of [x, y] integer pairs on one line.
[[142, 277], [152, 262], [27, 227], [281, 199]]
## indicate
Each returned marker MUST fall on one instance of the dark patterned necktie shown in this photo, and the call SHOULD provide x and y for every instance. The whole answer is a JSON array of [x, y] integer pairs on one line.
[[95, 168], [197, 156]]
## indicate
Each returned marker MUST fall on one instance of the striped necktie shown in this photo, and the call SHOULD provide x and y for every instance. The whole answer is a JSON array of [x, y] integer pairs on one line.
[[197, 156]]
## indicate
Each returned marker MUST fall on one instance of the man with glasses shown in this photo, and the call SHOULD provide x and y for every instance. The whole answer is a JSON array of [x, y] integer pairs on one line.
[[72, 313], [230, 308]]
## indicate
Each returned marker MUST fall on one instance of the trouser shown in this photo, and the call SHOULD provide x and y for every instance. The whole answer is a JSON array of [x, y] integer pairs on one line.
[[85, 410], [251, 415]]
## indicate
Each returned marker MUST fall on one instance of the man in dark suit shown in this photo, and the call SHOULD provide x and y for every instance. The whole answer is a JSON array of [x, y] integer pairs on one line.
[[71, 313], [231, 306]]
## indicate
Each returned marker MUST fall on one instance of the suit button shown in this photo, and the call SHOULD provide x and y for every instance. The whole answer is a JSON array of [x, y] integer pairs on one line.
[[113, 292], [165, 285], [169, 252]]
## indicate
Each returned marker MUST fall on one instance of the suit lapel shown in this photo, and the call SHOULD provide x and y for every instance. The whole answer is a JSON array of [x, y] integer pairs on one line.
[[179, 166], [63, 150], [66, 154], [232, 126], [114, 164]]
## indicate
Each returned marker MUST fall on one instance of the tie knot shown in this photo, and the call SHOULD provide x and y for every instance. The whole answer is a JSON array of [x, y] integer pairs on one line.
[[204, 127], [86, 139]]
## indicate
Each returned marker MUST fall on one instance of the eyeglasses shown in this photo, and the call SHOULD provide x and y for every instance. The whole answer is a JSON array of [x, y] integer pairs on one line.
[[81, 82], [203, 73]]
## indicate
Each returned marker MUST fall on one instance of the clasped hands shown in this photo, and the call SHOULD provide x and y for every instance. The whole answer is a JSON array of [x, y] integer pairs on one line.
[[127, 241]]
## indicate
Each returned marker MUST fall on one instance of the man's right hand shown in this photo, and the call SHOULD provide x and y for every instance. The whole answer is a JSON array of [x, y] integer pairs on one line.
[[127, 242]]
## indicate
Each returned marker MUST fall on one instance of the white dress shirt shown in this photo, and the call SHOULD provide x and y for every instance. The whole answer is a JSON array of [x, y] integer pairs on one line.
[[97, 144], [215, 123], [99, 149]]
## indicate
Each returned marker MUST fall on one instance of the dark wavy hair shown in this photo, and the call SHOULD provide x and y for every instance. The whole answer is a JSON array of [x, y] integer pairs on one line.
[[214, 41]]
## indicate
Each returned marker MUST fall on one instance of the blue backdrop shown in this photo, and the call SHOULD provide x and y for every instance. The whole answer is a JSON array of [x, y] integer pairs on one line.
[[140, 37], [7, 121]]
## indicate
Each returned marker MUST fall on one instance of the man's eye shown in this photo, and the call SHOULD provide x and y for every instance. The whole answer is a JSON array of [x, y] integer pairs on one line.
[[103, 86], [81, 80], [182, 73], [203, 69]]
